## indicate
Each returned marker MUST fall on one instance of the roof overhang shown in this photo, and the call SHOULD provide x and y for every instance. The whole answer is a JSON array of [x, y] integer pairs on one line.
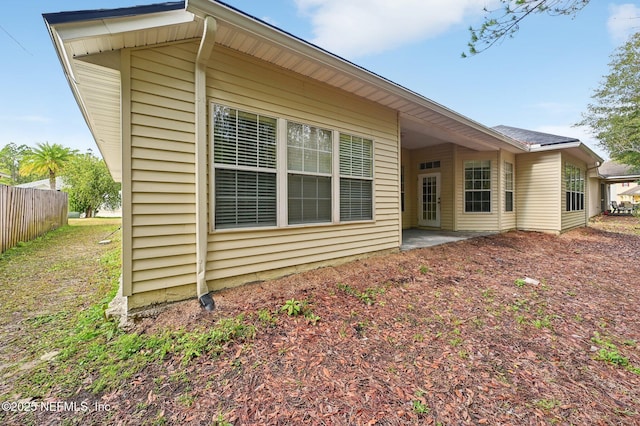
[[621, 179], [87, 43], [632, 191], [575, 148]]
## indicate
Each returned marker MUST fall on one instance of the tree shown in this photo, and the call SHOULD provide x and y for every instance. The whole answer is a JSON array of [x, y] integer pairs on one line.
[[614, 117], [505, 22], [11, 157], [89, 184], [47, 158]]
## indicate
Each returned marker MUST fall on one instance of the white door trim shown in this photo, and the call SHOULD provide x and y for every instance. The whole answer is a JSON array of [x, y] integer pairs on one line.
[[429, 200]]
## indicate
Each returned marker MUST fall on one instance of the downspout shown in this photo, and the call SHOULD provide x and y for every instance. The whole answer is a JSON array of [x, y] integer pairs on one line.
[[204, 53]]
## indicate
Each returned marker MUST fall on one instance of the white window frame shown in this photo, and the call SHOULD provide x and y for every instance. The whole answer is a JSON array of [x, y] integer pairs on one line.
[[303, 171], [282, 172], [574, 178], [473, 165], [362, 175], [237, 167], [509, 187]]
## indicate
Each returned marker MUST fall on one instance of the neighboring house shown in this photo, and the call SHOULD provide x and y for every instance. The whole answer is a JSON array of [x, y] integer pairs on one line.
[[43, 184], [246, 153], [622, 181], [632, 193]]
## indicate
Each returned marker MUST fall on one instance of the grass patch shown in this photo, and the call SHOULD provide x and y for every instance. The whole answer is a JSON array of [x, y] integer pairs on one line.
[[368, 296], [610, 354], [93, 352]]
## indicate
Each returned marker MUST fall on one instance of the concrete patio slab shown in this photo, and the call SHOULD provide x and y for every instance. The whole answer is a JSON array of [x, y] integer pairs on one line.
[[420, 238]]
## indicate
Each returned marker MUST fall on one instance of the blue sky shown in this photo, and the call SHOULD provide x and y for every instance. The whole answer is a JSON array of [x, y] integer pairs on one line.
[[540, 80]]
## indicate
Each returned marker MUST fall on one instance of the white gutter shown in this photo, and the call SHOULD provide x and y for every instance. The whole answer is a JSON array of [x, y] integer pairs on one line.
[[576, 144], [328, 60], [204, 53]]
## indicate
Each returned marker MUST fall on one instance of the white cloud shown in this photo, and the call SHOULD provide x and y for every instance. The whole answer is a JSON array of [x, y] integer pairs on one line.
[[624, 20], [353, 28]]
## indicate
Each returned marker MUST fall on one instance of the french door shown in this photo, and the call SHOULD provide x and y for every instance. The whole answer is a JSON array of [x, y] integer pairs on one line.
[[429, 200]]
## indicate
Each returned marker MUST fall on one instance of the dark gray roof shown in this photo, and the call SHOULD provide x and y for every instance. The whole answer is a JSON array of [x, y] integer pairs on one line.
[[613, 168], [533, 138], [87, 15]]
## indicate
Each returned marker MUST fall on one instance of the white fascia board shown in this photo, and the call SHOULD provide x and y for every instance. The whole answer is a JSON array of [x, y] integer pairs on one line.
[[621, 177], [579, 145], [108, 26]]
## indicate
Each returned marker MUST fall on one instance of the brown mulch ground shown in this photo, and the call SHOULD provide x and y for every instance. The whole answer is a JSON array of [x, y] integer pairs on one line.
[[451, 338]]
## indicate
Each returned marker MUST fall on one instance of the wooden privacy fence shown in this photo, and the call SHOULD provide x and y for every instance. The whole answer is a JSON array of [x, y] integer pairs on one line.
[[26, 213]]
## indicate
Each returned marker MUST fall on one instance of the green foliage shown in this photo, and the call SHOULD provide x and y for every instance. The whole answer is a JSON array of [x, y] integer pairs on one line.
[[312, 318], [504, 22], [11, 158], [295, 307], [610, 353], [46, 158], [368, 296], [520, 282], [89, 184], [220, 421], [614, 115], [292, 307], [266, 317], [548, 404], [96, 347], [420, 407]]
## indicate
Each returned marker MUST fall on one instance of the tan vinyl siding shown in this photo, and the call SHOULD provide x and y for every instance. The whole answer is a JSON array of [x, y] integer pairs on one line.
[[408, 215], [574, 219], [476, 221], [162, 170], [595, 197], [236, 256], [538, 191]]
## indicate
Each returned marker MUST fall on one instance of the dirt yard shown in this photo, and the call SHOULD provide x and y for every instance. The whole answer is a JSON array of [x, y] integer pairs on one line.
[[511, 329]]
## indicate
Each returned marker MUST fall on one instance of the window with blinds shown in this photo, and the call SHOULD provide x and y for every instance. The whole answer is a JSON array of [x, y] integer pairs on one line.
[[244, 157], [356, 178], [258, 183]]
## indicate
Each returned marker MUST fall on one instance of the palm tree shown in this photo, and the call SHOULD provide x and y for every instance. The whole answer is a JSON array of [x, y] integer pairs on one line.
[[47, 158]]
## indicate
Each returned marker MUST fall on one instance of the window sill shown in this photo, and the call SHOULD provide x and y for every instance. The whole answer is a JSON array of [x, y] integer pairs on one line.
[[290, 227]]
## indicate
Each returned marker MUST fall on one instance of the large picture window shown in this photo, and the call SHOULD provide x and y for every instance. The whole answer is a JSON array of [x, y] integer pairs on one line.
[[270, 172], [574, 187], [309, 158], [477, 186], [508, 187], [356, 178], [244, 157]]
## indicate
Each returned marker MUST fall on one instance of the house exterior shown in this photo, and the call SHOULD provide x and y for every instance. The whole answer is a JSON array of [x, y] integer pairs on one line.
[[630, 193], [43, 184], [247, 154], [622, 182], [559, 187]]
